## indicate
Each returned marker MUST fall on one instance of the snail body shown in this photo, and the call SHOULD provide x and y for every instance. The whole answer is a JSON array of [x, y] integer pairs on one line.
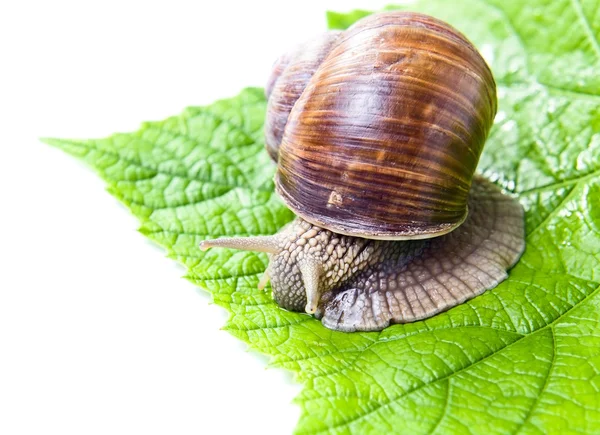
[[377, 132]]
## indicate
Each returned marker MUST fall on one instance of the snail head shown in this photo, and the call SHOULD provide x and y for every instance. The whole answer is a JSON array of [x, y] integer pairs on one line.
[[305, 261]]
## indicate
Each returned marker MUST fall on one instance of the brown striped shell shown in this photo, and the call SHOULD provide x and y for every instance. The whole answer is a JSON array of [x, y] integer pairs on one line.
[[289, 78], [378, 130]]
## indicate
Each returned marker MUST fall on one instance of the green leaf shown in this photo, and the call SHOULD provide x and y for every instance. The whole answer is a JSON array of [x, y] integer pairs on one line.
[[522, 358]]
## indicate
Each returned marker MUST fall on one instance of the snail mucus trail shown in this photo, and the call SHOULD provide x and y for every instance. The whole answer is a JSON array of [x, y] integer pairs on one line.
[[377, 132]]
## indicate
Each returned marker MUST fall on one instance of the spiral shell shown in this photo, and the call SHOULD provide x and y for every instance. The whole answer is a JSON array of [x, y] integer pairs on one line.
[[384, 139], [289, 78]]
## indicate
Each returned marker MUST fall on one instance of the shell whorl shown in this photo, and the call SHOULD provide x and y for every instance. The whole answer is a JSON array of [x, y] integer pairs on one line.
[[384, 139], [289, 77]]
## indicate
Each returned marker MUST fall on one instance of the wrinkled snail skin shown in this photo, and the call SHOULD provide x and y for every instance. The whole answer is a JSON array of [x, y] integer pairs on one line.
[[377, 132]]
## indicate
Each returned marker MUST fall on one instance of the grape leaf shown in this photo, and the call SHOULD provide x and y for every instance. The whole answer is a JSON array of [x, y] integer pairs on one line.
[[523, 357]]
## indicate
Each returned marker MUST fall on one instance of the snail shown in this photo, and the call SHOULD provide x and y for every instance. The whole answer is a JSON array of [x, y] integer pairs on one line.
[[377, 132]]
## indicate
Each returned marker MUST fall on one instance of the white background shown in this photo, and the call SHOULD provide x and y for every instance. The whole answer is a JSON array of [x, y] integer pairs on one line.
[[99, 334]]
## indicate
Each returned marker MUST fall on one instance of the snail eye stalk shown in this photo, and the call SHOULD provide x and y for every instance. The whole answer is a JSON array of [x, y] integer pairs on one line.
[[268, 244]]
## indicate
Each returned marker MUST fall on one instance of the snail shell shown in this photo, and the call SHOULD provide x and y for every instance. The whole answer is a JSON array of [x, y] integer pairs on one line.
[[377, 132], [384, 141]]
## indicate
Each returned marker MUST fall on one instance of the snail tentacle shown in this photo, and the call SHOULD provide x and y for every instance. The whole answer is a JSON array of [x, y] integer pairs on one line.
[[311, 271], [264, 280], [268, 244]]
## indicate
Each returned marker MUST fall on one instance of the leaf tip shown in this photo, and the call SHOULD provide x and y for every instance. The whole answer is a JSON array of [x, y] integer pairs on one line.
[[52, 141]]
